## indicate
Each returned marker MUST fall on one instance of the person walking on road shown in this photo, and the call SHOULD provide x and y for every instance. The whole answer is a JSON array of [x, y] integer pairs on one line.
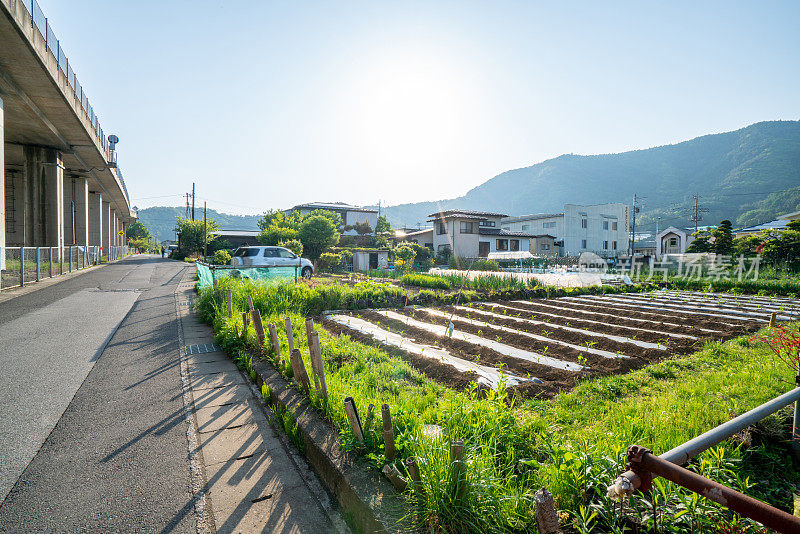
[[162, 251]]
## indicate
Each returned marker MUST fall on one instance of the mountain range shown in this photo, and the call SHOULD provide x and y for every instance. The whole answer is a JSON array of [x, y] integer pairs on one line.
[[160, 220], [748, 176]]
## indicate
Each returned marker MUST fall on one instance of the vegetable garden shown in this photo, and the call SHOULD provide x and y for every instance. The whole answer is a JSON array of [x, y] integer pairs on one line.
[[543, 392]]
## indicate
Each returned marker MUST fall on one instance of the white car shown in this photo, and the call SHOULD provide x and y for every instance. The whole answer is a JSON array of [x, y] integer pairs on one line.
[[271, 257]]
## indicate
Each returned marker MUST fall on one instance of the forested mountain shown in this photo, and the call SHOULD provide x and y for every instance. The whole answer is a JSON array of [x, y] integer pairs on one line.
[[160, 220], [742, 176]]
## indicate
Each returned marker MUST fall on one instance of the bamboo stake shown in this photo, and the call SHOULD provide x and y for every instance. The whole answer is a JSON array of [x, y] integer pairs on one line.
[[773, 320], [546, 516], [245, 320], [457, 466], [298, 369], [259, 326], [318, 366], [413, 472], [309, 327], [388, 433], [289, 334], [352, 416], [395, 477], [276, 345], [230, 304], [250, 303]]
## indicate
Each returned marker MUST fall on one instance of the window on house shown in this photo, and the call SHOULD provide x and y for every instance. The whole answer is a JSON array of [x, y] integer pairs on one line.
[[545, 246], [486, 223], [467, 227], [502, 245], [444, 249], [549, 225], [614, 225], [526, 227], [514, 245], [584, 223], [614, 244], [605, 245], [605, 225], [441, 228], [506, 228], [583, 243], [673, 241]]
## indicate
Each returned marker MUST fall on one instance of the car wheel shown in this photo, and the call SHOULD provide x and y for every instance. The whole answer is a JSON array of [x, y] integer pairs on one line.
[[306, 272]]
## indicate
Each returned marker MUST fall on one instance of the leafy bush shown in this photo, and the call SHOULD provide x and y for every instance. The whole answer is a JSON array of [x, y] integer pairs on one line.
[[222, 257], [329, 262], [404, 257], [424, 280], [485, 265], [294, 245]]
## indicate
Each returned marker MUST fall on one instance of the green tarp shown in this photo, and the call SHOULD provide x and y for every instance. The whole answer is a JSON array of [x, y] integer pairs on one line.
[[206, 274]]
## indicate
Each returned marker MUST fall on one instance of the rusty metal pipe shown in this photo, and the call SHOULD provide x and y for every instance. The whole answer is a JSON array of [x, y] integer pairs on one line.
[[747, 506]]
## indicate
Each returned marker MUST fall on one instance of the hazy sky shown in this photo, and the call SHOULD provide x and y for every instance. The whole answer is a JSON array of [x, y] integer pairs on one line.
[[270, 104]]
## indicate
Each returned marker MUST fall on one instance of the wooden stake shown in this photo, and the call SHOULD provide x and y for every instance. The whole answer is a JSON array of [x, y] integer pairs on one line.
[[298, 369], [395, 477], [457, 467], [276, 345], [245, 320], [318, 366], [289, 334], [413, 472], [388, 433], [230, 304], [309, 328], [250, 303], [352, 416], [773, 319]]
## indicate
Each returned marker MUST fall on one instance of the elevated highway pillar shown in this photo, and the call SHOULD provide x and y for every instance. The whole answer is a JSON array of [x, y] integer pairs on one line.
[[95, 219], [2, 192], [106, 226], [76, 209], [42, 199]]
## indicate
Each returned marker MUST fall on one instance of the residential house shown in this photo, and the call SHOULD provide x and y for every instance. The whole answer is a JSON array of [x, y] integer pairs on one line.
[[598, 228], [423, 237], [474, 234], [778, 224], [672, 240], [350, 214], [239, 238]]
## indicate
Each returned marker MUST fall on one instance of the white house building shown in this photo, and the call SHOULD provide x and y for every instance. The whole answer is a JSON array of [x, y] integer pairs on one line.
[[474, 234], [598, 228], [672, 240], [350, 214]]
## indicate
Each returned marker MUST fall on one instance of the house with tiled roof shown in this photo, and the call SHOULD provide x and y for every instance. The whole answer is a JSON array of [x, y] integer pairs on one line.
[[474, 234]]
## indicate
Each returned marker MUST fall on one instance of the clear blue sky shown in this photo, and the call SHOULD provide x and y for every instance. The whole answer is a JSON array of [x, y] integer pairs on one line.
[[270, 104]]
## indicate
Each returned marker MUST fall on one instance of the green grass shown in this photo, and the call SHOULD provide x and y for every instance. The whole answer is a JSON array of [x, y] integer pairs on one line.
[[573, 444], [425, 280]]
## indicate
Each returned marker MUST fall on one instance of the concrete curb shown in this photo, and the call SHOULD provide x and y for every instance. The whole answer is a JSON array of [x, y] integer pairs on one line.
[[370, 502]]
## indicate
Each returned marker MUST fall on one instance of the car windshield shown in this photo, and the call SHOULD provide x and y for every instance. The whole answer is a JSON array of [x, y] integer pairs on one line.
[[246, 252]]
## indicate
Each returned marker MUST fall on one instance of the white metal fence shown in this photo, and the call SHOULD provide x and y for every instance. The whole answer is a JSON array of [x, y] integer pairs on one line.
[[24, 265]]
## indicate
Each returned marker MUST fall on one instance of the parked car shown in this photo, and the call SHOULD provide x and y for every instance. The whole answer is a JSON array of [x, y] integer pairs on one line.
[[271, 257]]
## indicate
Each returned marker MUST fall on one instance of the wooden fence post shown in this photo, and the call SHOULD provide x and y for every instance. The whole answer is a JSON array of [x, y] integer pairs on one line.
[[259, 326], [245, 320], [413, 472], [276, 345], [773, 320], [289, 333], [309, 328], [457, 467], [388, 433], [352, 416], [318, 366], [230, 304], [299, 370]]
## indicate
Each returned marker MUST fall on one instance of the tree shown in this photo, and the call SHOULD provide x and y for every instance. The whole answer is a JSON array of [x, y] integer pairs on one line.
[[273, 235], [318, 232], [701, 243], [294, 245], [404, 257], [362, 228], [330, 215], [747, 245], [277, 226], [723, 238], [137, 230], [383, 225], [191, 234]]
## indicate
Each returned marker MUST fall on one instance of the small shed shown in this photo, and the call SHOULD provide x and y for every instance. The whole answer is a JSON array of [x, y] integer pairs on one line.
[[365, 259]]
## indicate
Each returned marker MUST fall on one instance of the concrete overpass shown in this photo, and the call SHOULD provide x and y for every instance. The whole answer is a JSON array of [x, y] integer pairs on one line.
[[61, 182]]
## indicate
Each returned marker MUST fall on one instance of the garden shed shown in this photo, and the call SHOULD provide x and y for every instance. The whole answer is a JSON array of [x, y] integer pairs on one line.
[[365, 259]]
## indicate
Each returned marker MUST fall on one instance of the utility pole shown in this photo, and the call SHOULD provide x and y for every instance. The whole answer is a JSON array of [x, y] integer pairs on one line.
[[633, 228], [205, 233], [186, 215], [192, 200], [658, 225], [696, 217]]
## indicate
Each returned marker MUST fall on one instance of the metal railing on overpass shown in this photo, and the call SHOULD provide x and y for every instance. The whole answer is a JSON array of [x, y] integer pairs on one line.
[[40, 23]]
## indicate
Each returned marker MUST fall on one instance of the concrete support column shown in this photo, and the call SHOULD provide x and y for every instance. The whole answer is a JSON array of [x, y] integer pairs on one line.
[[2, 191], [106, 225], [95, 219], [43, 204], [80, 187]]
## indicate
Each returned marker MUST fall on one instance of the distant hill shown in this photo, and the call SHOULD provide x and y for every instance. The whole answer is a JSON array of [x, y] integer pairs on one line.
[[160, 220], [739, 175]]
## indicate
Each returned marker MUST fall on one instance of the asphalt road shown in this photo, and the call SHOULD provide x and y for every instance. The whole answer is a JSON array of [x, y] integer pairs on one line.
[[92, 434]]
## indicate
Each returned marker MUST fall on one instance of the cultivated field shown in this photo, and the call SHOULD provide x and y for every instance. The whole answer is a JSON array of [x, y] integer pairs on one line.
[[540, 347]]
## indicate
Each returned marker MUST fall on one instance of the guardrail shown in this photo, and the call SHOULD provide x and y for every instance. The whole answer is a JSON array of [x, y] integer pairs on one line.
[[25, 265], [42, 24], [643, 466]]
